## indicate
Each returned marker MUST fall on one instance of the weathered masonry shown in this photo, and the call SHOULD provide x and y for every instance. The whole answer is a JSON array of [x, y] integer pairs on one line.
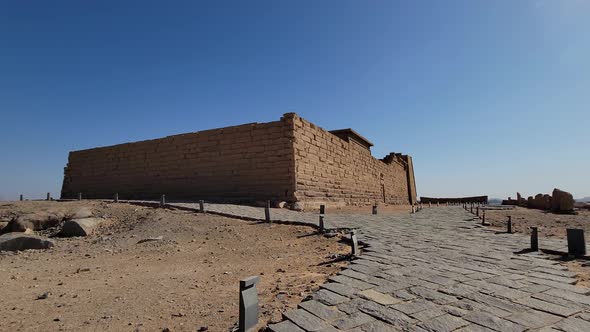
[[288, 160]]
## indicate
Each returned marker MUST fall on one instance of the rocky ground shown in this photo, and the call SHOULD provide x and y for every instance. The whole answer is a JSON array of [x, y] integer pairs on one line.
[[186, 281], [550, 224]]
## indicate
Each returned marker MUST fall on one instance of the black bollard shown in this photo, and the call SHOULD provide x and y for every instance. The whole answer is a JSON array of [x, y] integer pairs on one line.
[[322, 212], [576, 246], [21, 197], [534, 239], [267, 211], [374, 209], [509, 225]]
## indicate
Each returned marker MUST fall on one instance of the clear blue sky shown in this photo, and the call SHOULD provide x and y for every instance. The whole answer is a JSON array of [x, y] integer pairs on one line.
[[489, 97]]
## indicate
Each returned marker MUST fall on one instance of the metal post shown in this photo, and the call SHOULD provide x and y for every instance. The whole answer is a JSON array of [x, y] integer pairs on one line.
[[509, 225], [267, 211], [21, 197], [354, 244], [116, 199], [322, 212], [162, 200], [471, 208], [534, 239], [477, 211], [248, 304], [48, 196], [576, 246], [202, 206]]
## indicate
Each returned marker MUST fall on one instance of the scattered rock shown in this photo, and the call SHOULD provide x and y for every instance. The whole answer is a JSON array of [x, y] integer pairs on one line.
[[2, 225], [297, 206], [80, 227], [203, 329], [150, 239], [43, 296], [280, 205], [34, 221], [20, 241], [81, 213], [562, 201]]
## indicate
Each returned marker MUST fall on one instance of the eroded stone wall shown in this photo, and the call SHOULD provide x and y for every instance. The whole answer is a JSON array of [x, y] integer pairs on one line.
[[288, 160], [241, 163], [331, 170]]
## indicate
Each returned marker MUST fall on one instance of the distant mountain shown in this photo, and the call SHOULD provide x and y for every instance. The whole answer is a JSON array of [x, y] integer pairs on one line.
[[583, 200], [494, 201]]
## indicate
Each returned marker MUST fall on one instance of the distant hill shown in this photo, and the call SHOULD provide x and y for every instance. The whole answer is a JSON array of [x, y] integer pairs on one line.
[[584, 199]]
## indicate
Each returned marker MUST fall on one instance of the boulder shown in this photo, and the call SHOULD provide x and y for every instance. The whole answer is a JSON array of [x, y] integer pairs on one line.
[[279, 205], [79, 213], [539, 202], [2, 225], [80, 227], [562, 201], [297, 206], [33, 221], [20, 241], [546, 202]]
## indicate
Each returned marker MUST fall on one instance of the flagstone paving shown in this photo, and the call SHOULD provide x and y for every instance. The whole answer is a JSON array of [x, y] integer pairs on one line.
[[435, 270]]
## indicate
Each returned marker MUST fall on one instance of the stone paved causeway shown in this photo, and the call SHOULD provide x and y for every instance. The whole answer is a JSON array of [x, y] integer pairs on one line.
[[436, 270]]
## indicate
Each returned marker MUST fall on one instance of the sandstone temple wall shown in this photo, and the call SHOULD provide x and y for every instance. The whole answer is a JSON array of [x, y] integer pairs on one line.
[[246, 162], [339, 172], [288, 160]]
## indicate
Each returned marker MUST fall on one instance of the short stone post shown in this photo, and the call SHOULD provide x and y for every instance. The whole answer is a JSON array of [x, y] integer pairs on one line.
[[79, 196], [374, 209], [437, 204], [248, 304], [116, 198], [322, 212], [576, 245], [267, 211], [354, 243], [162, 200], [483, 217], [202, 206], [509, 225], [413, 209], [534, 239], [21, 197]]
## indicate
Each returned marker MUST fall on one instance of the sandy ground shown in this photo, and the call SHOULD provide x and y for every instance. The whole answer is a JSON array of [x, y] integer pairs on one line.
[[186, 281], [550, 224]]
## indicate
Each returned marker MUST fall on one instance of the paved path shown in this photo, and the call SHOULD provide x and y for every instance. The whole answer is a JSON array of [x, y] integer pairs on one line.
[[436, 270]]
